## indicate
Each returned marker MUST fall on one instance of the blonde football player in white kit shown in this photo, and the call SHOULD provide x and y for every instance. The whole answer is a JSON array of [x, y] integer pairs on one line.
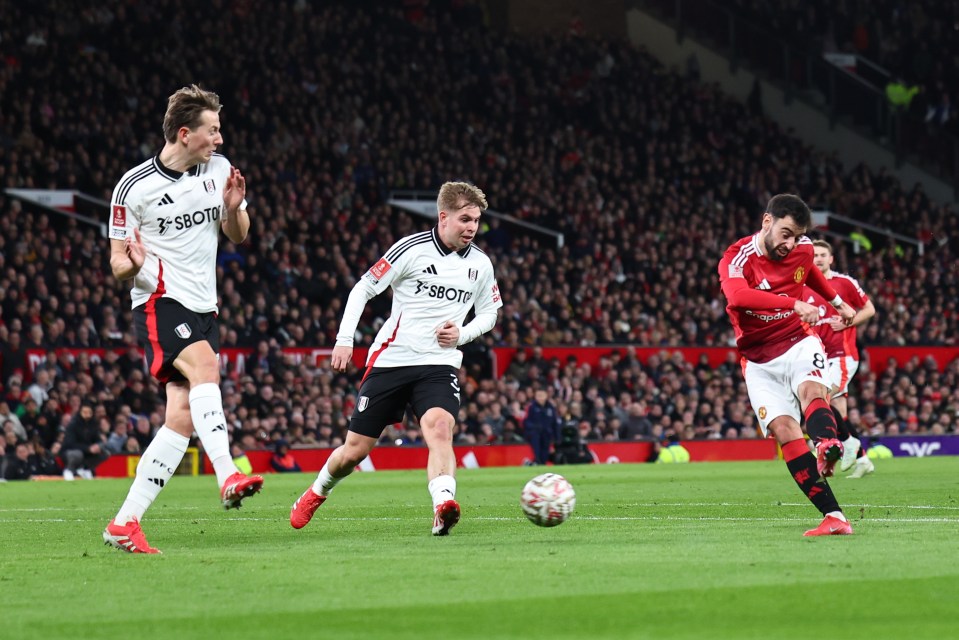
[[437, 276]]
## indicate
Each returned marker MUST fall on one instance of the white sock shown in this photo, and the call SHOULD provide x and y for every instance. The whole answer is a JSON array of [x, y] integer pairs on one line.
[[325, 482], [442, 488], [837, 514], [155, 469], [206, 408]]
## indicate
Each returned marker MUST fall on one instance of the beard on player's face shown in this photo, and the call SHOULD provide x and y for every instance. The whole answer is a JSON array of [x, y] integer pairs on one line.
[[773, 250]]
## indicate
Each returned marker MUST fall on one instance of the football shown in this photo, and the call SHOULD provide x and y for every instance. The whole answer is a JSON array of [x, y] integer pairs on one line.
[[548, 500]]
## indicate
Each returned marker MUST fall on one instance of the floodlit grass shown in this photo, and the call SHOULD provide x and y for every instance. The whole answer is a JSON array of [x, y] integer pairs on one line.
[[709, 550]]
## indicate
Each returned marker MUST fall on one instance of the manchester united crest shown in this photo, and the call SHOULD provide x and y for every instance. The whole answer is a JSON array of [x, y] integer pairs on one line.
[[800, 272], [762, 413]]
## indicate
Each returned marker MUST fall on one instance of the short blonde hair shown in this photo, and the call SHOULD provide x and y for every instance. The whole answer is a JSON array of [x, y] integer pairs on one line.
[[822, 244], [185, 109], [453, 194]]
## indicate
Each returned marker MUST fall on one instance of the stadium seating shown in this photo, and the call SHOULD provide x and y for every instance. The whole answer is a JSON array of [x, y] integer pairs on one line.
[[649, 174]]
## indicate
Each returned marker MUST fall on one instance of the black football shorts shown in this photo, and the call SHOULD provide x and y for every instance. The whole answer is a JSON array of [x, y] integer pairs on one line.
[[387, 391], [165, 328]]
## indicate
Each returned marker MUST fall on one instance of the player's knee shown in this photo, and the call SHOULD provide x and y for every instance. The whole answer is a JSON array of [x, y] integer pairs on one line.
[[180, 421], [353, 454], [206, 371], [199, 364], [437, 427], [809, 391]]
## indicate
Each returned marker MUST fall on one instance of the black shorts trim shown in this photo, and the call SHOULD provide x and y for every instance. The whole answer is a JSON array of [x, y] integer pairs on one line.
[[165, 327], [386, 393]]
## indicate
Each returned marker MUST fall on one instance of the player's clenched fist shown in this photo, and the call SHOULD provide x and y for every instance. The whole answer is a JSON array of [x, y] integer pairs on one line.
[[448, 334]]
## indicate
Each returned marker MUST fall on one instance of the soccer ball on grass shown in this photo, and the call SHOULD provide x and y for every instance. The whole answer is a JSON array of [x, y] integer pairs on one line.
[[548, 500]]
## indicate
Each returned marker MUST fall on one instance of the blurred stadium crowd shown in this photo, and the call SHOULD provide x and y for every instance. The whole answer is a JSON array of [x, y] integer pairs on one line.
[[913, 40], [649, 174]]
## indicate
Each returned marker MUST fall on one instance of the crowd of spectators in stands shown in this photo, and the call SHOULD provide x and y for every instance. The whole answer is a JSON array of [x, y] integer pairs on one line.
[[649, 175], [914, 40]]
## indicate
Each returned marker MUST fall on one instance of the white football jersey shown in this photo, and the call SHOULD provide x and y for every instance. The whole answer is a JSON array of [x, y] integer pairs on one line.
[[179, 217], [431, 284]]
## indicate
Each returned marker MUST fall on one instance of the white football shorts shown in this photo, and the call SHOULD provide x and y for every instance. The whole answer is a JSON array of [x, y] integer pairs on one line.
[[841, 371], [773, 386]]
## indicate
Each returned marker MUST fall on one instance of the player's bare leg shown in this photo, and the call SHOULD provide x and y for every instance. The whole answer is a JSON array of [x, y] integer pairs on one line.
[[437, 425]]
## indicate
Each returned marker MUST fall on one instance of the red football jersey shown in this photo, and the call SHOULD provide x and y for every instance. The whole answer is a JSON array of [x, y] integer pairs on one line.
[[764, 332], [838, 343]]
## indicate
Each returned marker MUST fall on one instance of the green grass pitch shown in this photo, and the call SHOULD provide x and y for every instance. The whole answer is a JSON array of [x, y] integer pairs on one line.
[[652, 551]]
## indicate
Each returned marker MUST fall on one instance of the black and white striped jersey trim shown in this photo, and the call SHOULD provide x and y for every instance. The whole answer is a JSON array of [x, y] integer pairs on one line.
[[404, 246], [124, 189]]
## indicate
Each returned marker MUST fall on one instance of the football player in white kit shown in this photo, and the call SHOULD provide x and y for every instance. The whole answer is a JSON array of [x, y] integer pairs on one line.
[[165, 218], [437, 276]]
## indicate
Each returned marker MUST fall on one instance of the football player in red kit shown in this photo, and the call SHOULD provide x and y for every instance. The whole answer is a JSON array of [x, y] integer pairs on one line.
[[783, 359], [842, 354]]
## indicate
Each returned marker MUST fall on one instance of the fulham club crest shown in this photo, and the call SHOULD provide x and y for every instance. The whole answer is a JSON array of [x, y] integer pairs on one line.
[[183, 330], [363, 403], [209, 185], [473, 274]]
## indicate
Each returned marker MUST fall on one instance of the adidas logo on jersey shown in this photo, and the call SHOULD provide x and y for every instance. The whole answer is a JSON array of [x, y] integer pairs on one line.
[[430, 269], [764, 285], [166, 199]]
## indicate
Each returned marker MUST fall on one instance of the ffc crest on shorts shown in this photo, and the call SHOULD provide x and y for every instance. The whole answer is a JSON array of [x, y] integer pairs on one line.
[[363, 403], [183, 330]]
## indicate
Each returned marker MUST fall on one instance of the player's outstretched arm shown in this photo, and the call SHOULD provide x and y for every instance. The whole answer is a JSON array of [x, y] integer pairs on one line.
[[343, 351], [740, 295]]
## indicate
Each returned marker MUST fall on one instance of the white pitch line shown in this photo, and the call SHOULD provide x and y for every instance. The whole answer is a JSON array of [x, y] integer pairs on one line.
[[779, 504], [650, 505], [46, 509], [501, 519]]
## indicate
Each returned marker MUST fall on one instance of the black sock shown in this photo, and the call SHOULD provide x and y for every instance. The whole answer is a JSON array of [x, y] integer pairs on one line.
[[802, 467], [842, 428], [820, 423]]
